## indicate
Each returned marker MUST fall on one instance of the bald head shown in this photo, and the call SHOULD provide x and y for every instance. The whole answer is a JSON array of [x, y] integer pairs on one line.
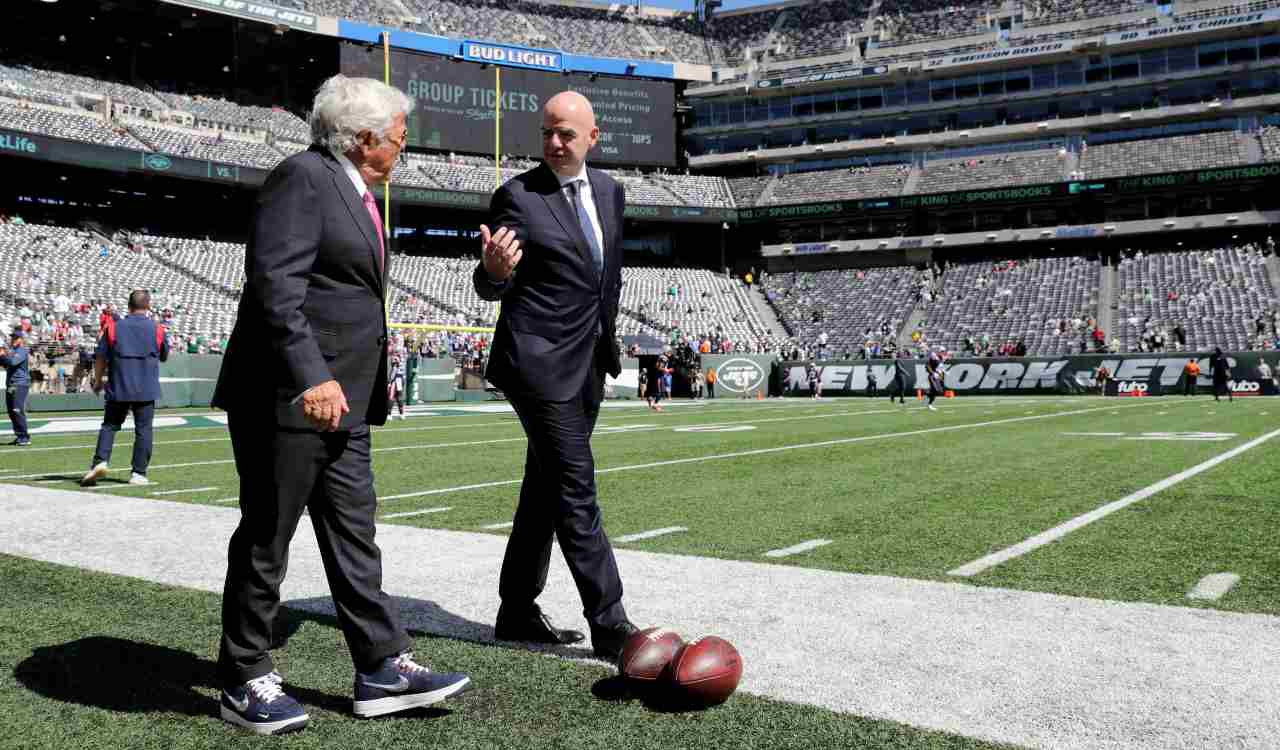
[[568, 132]]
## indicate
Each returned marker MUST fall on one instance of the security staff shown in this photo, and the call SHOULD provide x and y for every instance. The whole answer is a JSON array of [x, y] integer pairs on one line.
[[17, 384], [131, 350]]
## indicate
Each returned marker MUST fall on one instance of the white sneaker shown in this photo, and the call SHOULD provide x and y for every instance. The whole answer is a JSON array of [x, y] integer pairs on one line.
[[932, 407], [97, 472], [137, 478]]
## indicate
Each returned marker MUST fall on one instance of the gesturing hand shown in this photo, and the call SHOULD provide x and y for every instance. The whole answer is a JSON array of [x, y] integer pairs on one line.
[[501, 252], [323, 405]]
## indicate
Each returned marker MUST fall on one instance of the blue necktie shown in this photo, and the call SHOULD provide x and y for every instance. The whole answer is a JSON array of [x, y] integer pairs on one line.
[[587, 228]]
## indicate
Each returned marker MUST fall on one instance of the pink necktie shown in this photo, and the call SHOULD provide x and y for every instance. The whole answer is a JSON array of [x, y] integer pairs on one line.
[[372, 204]]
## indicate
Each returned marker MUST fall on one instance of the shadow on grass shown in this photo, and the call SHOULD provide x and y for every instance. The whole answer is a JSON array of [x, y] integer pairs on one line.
[[129, 676], [656, 697]]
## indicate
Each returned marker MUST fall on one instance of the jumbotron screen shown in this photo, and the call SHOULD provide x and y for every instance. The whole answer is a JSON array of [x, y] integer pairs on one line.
[[454, 106]]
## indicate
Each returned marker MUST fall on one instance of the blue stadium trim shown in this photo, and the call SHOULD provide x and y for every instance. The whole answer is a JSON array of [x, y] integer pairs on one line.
[[439, 45]]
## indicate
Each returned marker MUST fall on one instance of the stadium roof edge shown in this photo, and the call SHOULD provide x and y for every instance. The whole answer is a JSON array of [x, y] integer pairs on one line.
[[438, 45], [265, 12]]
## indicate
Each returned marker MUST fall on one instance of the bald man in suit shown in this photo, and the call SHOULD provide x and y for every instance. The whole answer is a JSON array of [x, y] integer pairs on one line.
[[555, 262]]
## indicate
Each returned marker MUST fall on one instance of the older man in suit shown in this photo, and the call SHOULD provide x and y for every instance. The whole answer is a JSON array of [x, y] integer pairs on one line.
[[561, 223], [304, 377]]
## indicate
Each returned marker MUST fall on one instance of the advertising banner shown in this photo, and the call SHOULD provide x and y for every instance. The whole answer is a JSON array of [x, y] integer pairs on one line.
[[456, 102], [1131, 375], [739, 375]]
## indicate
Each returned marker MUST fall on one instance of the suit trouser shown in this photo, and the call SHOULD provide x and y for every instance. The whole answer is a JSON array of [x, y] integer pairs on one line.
[[113, 419], [1189, 385], [15, 401], [558, 499], [282, 472]]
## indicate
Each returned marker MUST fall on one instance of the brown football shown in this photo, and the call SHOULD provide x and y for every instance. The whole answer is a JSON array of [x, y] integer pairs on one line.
[[647, 653], [705, 671]]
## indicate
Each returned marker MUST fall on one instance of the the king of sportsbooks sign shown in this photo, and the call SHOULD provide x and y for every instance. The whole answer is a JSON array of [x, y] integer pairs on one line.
[[1131, 374]]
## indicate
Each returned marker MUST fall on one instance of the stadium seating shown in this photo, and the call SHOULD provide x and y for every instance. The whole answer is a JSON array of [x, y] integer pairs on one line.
[[746, 190], [1006, 300], [1215, 295], [191, 145], [836, 184], [1169, 154], [671, 303], [60, 124], [991, 171], [1270, 137], [912, 20], [820, 28], [273, 119], [844, 304]]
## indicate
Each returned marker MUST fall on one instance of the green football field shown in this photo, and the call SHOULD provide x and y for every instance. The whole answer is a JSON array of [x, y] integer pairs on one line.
[[848, 485]]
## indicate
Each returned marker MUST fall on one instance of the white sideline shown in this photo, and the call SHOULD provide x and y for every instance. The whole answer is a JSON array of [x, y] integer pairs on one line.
[[496, 526], [1029, 669], [1061, 530], [649, 534]]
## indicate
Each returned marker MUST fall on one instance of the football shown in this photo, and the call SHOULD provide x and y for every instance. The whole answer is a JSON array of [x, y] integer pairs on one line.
[[646, 654], [705, 671]]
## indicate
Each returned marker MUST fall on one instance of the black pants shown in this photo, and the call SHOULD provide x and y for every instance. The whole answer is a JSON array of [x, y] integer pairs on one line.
[[281, 473], [15, 400], [711, 390], [899, 389], [113, 416], [1189, 388], [1220, 388], [558, 498]]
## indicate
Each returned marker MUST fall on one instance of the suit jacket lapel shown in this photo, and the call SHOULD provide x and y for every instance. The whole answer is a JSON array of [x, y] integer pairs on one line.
[[560, 207], [359, 214]]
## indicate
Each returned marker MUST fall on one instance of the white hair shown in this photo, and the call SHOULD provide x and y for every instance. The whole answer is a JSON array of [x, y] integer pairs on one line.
[[345, 107]]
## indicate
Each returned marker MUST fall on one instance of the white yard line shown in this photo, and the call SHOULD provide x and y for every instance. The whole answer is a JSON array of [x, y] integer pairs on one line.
[[650, 534], [422, 512], [496, 526], [1061, 530], [1213, 587], [180, 492], [796, 549], [764, 451], [495, 441]]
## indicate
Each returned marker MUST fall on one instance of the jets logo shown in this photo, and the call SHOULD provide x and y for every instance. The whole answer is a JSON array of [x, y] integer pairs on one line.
[[740, 375]]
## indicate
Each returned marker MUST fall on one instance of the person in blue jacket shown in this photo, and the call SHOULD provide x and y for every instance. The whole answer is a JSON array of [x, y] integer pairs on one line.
[[15, 360], [130, 350]]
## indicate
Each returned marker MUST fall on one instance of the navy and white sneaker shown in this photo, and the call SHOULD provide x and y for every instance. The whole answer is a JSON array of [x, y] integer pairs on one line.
[[401, 683], [260, 706]]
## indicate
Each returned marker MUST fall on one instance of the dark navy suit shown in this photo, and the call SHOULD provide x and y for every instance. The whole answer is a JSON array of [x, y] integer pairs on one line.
[[552, 346], [312, 311], [133, 348], [17, 384]]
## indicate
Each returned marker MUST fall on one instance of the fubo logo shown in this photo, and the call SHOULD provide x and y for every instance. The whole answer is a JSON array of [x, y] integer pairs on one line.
[[10, 142], [158, 162], [1245, 387], [1136, 389], [740, 375]]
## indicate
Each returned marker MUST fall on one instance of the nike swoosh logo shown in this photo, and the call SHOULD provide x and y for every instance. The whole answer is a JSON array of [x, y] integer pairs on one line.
[[240, 705], [399, 687]]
